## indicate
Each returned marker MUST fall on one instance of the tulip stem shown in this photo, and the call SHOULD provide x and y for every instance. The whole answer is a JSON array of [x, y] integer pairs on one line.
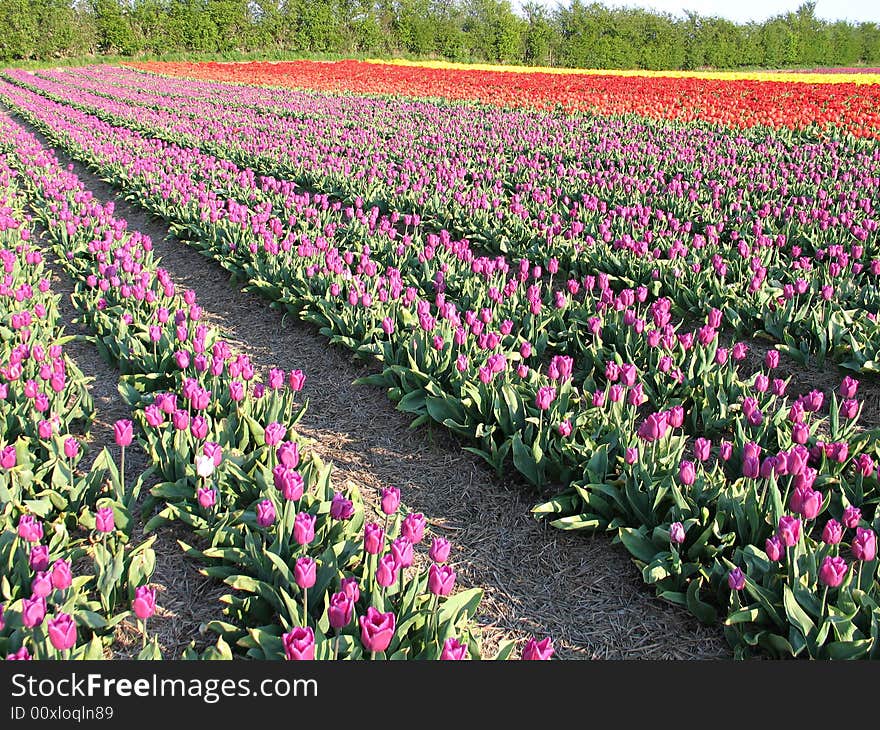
[[122, 473], [305, 607], [336, 648], [824, 598], [372, 656]]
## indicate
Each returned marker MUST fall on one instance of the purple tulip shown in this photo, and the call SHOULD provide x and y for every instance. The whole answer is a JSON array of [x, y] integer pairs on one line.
[[374, 538], [304, 528], [341, 508], [653, 427], [104, 520], [30, 528], [214, 451], [849, 387], [833, 571], [274, 433], [305, 572], [631, 455], [39, 557], [439, 551], [377, 630], [736, 579], [386, 571], [789, 530], [8, 457], [413, 527], [207, 497], [297, 380], [864, 544], [62, 632], [144, 603], [299, 644], [41, 585], [806, 501], [71, 447], [289, 482], [687, 474], [402, 550], [340, 610], [851, 517], [702, 449], [265, 513], [123, 431], [676, 533], [390, 500], [441, 579], [538, 650], [288, 454], [546, 395], [774, 548], [832, 533], [21, 654], [453, 650], [349, 586], [33, 611]]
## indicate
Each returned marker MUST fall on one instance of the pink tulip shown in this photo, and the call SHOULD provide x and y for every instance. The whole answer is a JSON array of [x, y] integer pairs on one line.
[[538, 650], [144, 603], [62, 632], [299, 644], [833, 571], [377, 630]]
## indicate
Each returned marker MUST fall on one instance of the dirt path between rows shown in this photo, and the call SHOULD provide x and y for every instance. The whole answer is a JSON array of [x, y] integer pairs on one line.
[[581, 590]]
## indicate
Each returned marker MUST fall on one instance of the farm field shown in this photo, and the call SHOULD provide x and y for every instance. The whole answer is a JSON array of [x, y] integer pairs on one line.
[[422, 362]]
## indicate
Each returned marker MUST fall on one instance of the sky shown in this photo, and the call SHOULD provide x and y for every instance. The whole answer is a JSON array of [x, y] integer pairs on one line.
[[742, 11]]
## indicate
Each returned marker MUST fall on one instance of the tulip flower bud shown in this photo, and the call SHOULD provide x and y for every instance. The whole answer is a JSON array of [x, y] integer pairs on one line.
[[273, 433], [207, 497], [439, 551], [864, 544], [341, 508], [386, 571], [33, 611], [299, 644], [833, 571], [41, 585], [204, 466], [39, 557], [441, 579], [104, 520], [832, 533], [538, 650], [305, 572], [349, 586], [453, 650], [736, 579], [265, 513], [774, 548], [8, 457], [288, 454], [123, 430], [377, 630], [304, 528], [62, 632], [340, 610], [687, 473], [144, 603], [789, 530], [851, 517], [374, 538], [676, 533], [413, 527]]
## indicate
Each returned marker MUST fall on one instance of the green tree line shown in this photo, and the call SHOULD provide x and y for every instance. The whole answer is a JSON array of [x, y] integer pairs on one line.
[[576, 34]]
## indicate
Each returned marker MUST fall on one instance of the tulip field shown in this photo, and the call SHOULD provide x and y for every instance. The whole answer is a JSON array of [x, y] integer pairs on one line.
[[651, 299]]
